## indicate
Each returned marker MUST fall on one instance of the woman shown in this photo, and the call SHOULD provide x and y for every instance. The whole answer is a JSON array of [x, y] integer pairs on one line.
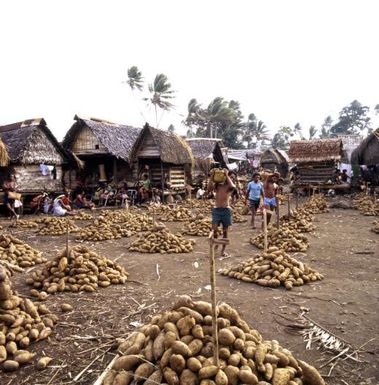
[[81, 201], [9, 188], [59, 208]]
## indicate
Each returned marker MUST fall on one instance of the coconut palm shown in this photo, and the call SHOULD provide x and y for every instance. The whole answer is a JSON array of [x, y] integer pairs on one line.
[[254, 130], [135, 79], [312, 132], [161, 94]]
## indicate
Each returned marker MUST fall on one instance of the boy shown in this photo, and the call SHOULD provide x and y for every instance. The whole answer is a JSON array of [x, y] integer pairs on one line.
[[254, 192]]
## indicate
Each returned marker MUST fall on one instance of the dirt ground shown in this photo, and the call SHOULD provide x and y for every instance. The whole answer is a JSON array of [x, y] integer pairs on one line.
[[345, 302]]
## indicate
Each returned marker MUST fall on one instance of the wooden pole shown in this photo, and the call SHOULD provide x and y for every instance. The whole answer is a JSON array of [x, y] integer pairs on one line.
[[277, 214], [212, 243], [289, 206], [297, 199], [67, 224], [265, 230]]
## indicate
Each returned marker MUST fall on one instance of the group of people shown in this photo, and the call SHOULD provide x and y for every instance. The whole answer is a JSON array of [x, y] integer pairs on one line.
[[259, 195]]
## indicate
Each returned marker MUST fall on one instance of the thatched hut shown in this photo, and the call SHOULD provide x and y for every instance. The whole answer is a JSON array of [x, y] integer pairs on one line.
[[166, 157], [275, 160], [36, 157], [104, 147], [316, 159], [367, 153], [205, 151], [4, 156]]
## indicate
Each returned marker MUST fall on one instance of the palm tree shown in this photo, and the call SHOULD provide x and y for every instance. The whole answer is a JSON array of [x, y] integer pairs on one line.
[[217, 112], [312, 132], [255, 129], [161, 94], [135, 79]]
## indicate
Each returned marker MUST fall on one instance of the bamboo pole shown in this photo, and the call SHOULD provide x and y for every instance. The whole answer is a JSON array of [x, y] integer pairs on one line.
[[265, 230]]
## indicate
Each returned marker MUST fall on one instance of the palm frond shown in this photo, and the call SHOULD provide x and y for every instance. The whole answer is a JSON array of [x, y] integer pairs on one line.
[[135, 79]]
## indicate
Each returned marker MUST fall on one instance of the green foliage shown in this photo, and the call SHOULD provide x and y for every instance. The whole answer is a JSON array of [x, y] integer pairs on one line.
[[353, 118], [312, 132], [282, 137], [254, 131], [325, 128], [171, 128], [135, 79]]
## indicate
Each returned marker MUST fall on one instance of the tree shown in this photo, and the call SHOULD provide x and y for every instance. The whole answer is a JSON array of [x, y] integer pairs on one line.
[[282, 137], [255, 131], [312, 132], [376, 109], [161, 95], [171, 128], [325, 127], [298, 130], [352, 119], [135, 79]]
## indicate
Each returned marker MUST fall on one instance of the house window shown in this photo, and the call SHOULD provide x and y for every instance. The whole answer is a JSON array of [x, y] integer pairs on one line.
[[96, 146]]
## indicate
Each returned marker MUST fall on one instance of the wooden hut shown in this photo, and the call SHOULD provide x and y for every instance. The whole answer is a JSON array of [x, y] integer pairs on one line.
[[367, 153], [166, 157], [316, 159], [35, 156], [275, 160], [105, 149]]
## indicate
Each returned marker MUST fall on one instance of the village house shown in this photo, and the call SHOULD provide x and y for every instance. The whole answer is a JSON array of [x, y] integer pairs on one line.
[[274, 159]]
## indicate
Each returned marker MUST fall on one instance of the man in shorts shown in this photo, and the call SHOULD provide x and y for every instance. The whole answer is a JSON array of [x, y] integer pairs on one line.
[[270, 191], [221, 213], [254, 193]]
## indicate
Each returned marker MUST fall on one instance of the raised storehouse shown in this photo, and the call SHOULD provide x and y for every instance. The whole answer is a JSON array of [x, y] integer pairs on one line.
[[165, 157], [275, 160], [104, 147], [205, 152], [316, 159], [35, 156]]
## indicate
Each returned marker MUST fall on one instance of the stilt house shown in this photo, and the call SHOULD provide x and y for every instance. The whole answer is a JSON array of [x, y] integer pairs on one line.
[[104, 147], [275, 160], [164, 156]]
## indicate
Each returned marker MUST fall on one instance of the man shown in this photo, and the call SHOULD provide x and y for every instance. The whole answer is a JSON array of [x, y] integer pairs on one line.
[[270, 187], [254, 192], [344, 176], [221, 213]]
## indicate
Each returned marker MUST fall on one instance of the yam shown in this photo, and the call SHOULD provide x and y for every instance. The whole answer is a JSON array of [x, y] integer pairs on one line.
[[248, 377], [281, 376], [43, 362], [177, 363], [232, 373], [169, 338], [109, 377], [123, 378], [3, 353], [24, 358], [194, 364], [221, 378], [193, 313], [195, 346], [197, 331], [179, 347], [310, 374], [154, 378], [10, 365], [170, 376], [159, 346], [143, 371], [224, 353], [185, 325], [226, 337], [165, 358], [187, 377], [204, 308], [234, 359], [127, 362], [208, 372], [171, 327]]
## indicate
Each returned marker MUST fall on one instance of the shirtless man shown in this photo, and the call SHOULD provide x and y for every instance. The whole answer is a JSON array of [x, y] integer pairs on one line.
[[221, 213], [270, 187]]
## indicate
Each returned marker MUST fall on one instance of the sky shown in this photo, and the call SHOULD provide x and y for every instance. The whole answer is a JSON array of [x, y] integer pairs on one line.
[[285, 61]]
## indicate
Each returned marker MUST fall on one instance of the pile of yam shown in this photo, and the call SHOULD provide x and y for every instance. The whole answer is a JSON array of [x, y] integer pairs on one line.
[[200, 226], [177, 214], [273, 269], [161, 240], [103, 229], [83, 216], [132, 221], [80, 270], [176, 348], [23, 224], [19, 253], [366, 205], [316, 204], [237, 217], [375, 228], [21, 323], [56, 226], [299, 220], [283, 238]]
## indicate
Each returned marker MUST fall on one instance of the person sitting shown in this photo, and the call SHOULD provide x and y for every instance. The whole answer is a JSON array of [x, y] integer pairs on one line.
[[47, 204], [344, 177], [36, 203], [145, 188], [81, 201], [122, 194], [59, 208]]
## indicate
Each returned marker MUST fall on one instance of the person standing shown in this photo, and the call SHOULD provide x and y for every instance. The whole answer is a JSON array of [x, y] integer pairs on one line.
[[270, 189], [221, 212], [254, 193], [9, 188]]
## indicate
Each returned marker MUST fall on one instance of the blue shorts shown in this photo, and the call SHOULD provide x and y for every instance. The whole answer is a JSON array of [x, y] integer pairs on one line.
[[222, 215], [269, 201]]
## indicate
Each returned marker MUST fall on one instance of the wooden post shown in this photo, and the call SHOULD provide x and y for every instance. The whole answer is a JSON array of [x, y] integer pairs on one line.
[[277, 214], [162, 181], [67, 248], [297, 199], [212, 243], [265, 230], [289, 206]]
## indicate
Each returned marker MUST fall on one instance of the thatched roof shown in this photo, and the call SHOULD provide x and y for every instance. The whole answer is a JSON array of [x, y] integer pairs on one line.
[[172, 148], [16, 137], [204, 147], [273, 155], [4, 157], [315, 150], [367, 153], [118, 139]]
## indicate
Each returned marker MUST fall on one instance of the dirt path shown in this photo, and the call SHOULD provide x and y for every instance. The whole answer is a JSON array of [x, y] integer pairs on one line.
[[345, 302]]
